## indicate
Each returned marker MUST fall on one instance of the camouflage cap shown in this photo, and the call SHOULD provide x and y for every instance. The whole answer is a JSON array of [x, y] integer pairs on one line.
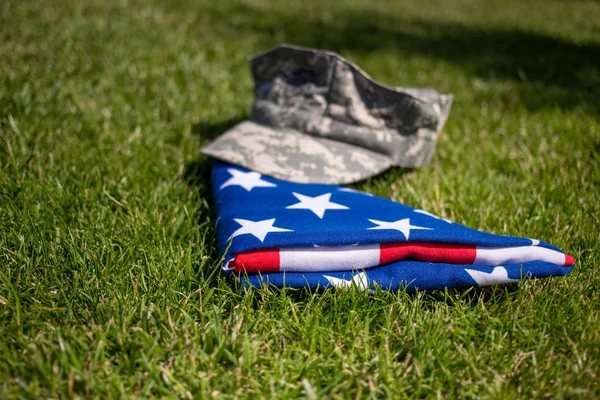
[[318, 118]]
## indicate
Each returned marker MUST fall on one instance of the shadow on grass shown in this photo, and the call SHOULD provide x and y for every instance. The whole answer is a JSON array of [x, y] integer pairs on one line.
[[197, 175], [549, 71], [209, 130], [471, 297]]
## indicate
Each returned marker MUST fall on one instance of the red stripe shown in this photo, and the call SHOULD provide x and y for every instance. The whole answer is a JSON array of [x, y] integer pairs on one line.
[[257, 261], [569, 261], [431, 252]]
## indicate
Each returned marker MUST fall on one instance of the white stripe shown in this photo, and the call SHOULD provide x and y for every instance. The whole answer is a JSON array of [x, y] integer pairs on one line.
[[329, 258], [493, 256]]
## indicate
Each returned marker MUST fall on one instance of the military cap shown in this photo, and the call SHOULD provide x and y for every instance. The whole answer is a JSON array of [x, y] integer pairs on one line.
[[318, 118]]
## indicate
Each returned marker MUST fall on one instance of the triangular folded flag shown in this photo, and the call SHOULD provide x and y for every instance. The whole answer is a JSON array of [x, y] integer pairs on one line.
[[286, 234]]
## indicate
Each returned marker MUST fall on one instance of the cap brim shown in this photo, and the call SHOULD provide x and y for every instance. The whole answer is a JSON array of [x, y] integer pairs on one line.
[[295, 156]]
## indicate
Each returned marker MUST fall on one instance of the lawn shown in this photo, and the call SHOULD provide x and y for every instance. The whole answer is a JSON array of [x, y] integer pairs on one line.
[[109, 275]]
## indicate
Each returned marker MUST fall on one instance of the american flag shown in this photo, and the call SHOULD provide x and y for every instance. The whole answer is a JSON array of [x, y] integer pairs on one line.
[[280, 233]]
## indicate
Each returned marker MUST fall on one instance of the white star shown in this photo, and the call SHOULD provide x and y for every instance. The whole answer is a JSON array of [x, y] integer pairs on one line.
[[431, 215], [534, 242], [317, 204], [498, 275], [359, 280], [258, 229], [402, 225], [247, 180]]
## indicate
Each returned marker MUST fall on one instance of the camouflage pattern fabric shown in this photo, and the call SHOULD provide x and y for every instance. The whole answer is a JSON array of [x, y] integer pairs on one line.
[[318, 118]]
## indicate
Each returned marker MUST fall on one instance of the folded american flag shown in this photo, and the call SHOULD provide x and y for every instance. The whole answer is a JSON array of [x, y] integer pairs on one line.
[[280, 233]]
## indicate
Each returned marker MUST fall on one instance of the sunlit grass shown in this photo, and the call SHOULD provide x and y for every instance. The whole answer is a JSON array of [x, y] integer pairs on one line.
[[109, 280]]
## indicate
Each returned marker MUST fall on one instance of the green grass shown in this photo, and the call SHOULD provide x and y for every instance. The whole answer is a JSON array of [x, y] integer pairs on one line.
[[109, 280]]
